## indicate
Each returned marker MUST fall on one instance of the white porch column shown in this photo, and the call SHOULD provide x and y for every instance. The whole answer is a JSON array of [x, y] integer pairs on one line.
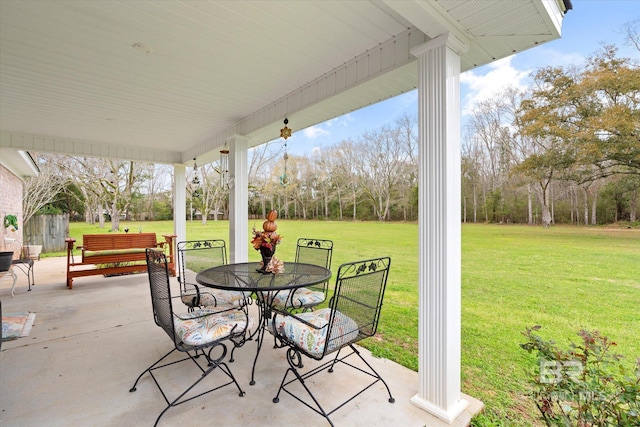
[[439, 274], [179, 202], [238, 199]]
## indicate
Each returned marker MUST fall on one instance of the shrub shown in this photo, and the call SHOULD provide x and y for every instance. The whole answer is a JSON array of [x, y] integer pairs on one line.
[[585, 385]]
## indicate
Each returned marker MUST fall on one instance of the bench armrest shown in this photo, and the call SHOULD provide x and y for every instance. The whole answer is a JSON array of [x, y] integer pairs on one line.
[[69, 241]]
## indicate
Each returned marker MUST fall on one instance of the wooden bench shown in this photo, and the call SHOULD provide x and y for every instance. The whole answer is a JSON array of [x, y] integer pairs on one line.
[[115, 253]]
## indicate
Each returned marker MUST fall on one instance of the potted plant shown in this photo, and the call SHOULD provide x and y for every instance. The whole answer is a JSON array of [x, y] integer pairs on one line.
[[31, 251], [11, 222], [6, 259]]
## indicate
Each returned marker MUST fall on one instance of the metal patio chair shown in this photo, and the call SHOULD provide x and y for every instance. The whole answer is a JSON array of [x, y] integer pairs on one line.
[[195, 256], [196, 334], [309, 251], [352, 315]]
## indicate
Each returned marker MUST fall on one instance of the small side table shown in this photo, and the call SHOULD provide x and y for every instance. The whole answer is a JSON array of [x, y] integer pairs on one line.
[[26, 266]]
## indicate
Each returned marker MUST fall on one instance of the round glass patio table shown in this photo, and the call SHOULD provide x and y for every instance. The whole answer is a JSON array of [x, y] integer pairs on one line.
[[247, 278]]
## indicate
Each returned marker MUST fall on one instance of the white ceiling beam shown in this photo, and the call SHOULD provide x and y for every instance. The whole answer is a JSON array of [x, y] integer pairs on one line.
[[385, 58], [51, 144], [432, 20], [20, 163]]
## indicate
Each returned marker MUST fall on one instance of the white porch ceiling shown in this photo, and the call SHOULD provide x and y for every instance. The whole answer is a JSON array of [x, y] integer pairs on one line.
[[72, 81]]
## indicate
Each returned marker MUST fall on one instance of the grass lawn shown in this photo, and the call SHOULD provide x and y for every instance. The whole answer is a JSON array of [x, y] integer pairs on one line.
[[563, 278]]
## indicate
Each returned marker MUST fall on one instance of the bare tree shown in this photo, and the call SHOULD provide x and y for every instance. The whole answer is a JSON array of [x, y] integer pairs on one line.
[[297, 190], [40, 190], [343, 174], [379, 169], [470, 176], [407, 126], [107, 184], [491, 129], [158, 182], [631, 29], [207, 192], [322, 180], [264, 174]]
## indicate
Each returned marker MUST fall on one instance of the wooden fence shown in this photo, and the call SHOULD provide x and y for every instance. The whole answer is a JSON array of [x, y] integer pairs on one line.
[[48, 231]]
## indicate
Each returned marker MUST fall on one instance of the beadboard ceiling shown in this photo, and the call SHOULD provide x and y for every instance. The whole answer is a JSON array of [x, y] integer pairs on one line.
[[167, 81]]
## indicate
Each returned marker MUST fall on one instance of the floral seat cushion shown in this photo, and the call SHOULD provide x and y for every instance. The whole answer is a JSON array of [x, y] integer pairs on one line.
[[204, 326], [215, 297], [302, 297], [314, 339]]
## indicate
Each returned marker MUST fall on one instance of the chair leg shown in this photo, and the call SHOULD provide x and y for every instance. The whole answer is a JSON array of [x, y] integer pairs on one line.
[[177, 401], [242, 339], [238, 342], [373, 372], [211, 365], [294, 359], [30, 275], [133, 388], [13, 286]]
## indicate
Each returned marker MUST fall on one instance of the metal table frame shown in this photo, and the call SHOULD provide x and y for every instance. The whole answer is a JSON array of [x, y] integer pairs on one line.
[[246, 277]]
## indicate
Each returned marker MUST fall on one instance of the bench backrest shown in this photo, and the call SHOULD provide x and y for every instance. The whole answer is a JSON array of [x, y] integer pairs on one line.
[[102, 242]]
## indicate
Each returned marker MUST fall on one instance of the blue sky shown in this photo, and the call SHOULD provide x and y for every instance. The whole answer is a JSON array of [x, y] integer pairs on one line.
[[590, 24]]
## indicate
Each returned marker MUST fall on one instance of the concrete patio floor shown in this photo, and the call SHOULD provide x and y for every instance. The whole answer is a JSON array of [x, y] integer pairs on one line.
[[88, 345]]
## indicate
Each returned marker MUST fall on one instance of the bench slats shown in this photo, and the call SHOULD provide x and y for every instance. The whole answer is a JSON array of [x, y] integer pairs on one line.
[[102, 242], [113, 254]]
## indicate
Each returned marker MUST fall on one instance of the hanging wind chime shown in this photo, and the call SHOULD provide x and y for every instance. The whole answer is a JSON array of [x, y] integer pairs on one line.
[[224, 167], [195, 181], [285, 133], [195, 189]]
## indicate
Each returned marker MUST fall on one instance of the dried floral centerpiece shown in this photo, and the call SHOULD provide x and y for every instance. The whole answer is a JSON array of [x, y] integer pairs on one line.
[[265, 241]]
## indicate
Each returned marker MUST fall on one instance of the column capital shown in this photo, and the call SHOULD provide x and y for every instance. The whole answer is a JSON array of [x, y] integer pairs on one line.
[[236, 137], [451, 41]]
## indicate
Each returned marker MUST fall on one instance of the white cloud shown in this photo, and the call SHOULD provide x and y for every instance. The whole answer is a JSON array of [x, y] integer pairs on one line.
[[343, 121], [322, 129], [483, 83], [314, 131], [330, 122]]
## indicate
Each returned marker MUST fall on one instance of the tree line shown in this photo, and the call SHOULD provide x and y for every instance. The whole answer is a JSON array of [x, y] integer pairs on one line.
[[566, 150]]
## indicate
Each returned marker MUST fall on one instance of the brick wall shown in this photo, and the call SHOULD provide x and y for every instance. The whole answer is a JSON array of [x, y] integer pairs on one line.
[[10, 203]]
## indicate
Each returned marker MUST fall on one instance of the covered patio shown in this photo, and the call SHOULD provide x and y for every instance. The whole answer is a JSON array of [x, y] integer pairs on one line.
[[174, 82], [87, 346]]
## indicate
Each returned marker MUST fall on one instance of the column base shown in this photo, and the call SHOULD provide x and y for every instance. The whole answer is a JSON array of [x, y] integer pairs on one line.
[[447, 416]]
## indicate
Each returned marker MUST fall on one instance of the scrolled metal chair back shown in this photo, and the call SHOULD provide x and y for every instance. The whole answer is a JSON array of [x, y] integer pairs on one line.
[[314, 251], [160, 290], [359, 294], [197, 255]]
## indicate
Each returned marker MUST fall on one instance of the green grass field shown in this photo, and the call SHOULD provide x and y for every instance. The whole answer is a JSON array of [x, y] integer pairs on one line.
[[563, 278]]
